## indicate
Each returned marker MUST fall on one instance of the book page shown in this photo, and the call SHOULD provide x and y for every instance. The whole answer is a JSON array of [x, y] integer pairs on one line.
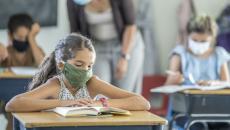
[[76, 111], [88, 111]]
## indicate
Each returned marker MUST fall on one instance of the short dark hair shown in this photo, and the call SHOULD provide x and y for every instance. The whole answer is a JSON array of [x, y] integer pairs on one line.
[[18, 20]]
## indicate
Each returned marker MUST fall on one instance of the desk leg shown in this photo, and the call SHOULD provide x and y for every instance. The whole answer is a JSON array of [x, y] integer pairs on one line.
[[16, 124], [158, 127], [191, 122]]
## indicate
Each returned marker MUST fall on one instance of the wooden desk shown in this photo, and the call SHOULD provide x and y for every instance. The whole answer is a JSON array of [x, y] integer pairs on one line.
[[139, 120], [209, 92], [11, 75], [11, 85]]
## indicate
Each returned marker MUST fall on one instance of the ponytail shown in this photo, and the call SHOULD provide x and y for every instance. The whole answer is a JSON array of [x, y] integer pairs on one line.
[[47, 69]]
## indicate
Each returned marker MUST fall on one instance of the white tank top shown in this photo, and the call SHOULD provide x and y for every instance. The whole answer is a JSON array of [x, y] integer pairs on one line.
[[102, 26]]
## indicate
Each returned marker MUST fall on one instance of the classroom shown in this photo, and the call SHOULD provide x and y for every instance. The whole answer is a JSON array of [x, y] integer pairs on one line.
[[114, 64]]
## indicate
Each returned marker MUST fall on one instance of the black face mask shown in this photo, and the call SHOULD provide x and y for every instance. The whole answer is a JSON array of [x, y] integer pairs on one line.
[[20, 46]]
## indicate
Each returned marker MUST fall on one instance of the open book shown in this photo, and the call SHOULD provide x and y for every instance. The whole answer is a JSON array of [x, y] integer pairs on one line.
[[176, 88], [88, 111]]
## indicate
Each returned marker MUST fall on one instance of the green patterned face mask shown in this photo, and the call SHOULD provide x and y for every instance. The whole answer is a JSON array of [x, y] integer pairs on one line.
[[76, 77]]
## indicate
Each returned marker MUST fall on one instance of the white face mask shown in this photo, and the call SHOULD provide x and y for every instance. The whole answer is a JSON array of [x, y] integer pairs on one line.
[[198, 48]]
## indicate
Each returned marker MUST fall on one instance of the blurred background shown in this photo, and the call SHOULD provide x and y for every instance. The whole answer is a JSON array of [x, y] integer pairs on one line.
[[158, 19]]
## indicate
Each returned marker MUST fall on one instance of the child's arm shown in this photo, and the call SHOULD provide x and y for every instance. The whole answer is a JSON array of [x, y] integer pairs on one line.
[[3, 53], [224, 73], [118, 98], [38, 54], [224, 76], [174, 77], [41, 98]]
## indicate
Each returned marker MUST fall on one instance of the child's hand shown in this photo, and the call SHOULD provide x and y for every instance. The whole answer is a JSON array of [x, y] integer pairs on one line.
[[3, 53], [34, 30], [77, 102], [175, 77], [203, 83], [96, 104], [121, 68], [210, 83]]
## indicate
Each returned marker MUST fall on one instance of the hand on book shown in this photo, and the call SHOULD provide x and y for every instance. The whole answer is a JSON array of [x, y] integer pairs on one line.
[[77, 102], [211, 83], [96, 104]]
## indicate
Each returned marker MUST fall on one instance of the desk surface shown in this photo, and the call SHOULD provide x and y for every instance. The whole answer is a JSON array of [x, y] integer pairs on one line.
[[48, 119], [11, 75], [215, 92]]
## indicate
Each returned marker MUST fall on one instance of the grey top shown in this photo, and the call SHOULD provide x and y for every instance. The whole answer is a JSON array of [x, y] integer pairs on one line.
[[65, 94], [101, 25]]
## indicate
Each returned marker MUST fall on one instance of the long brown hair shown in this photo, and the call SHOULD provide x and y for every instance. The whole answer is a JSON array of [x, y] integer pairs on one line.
[[65, 49]]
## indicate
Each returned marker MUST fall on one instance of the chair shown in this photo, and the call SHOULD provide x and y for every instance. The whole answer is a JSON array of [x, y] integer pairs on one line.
[[159, 102]]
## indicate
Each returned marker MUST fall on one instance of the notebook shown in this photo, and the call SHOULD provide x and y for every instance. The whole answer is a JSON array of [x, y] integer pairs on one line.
[[89, 111], [176, 88]]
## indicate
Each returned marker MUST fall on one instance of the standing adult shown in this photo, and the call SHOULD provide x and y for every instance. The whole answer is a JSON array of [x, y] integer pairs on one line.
[[118, 44]]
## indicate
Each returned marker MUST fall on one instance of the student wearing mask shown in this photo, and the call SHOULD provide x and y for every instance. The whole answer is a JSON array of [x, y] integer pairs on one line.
[[22, 49], [198, 58], [66, 78]]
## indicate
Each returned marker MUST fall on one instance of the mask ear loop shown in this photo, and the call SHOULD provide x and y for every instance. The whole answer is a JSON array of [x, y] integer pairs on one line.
[[60, 67]]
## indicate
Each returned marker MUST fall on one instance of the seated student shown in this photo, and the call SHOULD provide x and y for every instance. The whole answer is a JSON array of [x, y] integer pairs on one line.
[[22, 49], [65, 78], [199, 58]]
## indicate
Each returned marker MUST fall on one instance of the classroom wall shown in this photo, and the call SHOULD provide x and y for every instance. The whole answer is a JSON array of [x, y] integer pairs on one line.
[[164, 24], [48, 36]]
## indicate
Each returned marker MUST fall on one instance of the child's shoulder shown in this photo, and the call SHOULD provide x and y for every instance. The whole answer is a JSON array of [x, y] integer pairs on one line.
[[94, 80], [179, 49], [54, 81], [221, 51], [222, 55]]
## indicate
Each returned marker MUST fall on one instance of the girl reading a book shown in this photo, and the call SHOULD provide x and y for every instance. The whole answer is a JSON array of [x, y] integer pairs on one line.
[[65, 78]]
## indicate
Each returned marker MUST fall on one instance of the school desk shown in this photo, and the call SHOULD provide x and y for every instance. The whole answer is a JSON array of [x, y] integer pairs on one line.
[[139, 120], [11, 85], [202, 106]]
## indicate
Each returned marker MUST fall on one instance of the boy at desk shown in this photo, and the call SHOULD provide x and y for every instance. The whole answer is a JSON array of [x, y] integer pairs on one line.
[[65, 78], [22, 49], [199, 61]]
